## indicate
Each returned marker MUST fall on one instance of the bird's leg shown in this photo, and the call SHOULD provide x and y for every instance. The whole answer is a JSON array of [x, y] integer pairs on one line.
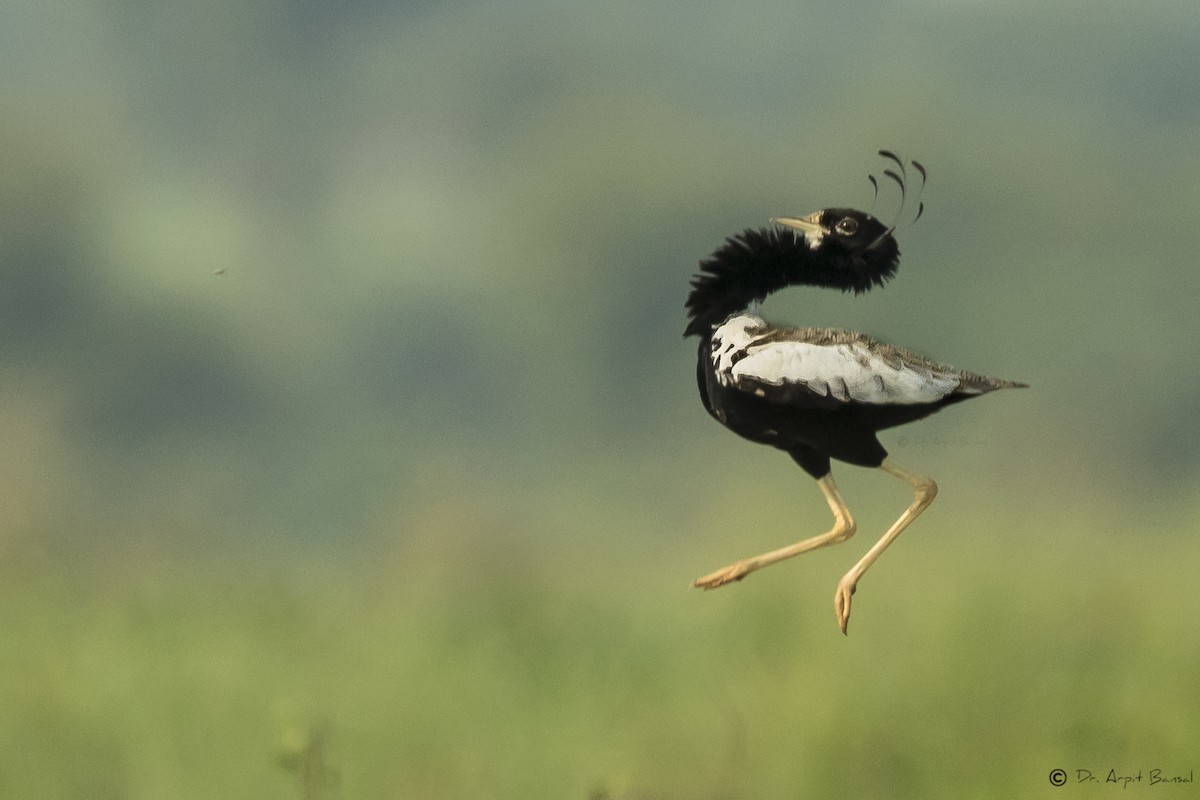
[[843, 528], [925, 490]]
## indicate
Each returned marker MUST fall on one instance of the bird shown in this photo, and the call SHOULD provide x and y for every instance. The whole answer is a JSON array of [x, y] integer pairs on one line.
[[818, 394]]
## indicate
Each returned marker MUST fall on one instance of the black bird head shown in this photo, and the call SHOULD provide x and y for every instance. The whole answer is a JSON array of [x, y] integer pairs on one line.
[[840, 248], [852, 250]]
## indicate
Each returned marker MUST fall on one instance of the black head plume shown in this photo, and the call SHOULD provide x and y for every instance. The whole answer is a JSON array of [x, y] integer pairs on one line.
[[901, 181], [919, 167]]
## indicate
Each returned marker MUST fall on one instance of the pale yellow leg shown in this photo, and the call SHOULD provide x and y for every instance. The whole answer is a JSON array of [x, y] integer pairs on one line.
[[925, 490], [843, 528]]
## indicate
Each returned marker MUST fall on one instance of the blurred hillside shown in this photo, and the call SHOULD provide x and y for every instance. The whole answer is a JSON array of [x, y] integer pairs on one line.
[[272, 265]]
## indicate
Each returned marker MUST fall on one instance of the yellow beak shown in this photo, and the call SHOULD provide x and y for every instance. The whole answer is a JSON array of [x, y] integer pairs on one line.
[[806, 225]]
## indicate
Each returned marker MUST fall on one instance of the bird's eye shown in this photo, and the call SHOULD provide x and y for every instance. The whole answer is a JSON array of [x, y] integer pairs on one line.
[[846, 226]]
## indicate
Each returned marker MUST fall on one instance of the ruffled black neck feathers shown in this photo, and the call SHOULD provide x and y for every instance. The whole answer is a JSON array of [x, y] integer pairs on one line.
[[758, 261]]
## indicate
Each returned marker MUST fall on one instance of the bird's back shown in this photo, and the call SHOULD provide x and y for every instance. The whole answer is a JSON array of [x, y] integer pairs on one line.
[[825, 388], [876, 358]]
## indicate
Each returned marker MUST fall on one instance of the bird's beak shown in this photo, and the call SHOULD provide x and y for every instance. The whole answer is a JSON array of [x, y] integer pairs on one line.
[[810, 226]]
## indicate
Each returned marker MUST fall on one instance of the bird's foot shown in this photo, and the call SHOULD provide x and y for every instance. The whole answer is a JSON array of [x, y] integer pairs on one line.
[[734, 572], [841, 602]]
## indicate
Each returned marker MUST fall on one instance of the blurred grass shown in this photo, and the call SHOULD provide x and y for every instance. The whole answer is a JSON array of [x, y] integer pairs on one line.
[[466, 663]]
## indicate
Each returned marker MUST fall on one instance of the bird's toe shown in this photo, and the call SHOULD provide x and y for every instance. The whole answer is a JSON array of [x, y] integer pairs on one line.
[[841, 604], [715, 580]]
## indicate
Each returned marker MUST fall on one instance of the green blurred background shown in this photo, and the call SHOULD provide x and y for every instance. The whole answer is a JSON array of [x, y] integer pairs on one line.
[[351, 448]]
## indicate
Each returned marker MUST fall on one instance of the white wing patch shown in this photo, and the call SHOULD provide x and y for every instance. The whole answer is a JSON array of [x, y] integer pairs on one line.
[[731, 340], [845, 371]]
